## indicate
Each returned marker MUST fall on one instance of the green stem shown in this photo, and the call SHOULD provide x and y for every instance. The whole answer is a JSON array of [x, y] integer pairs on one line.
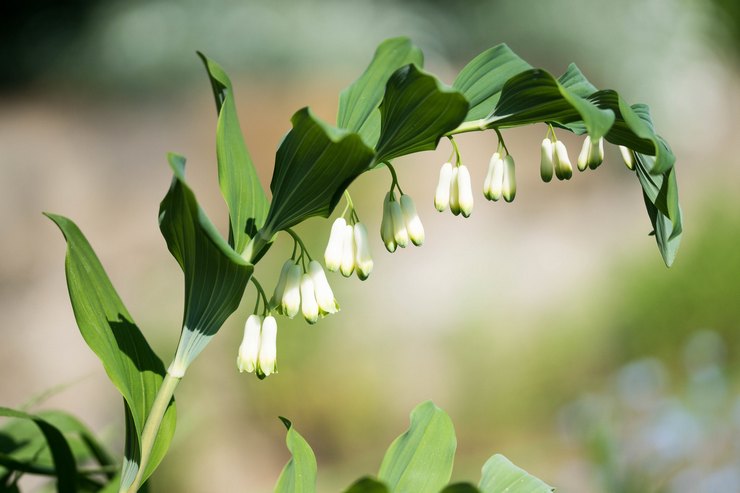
[[474, 126], [394, 177], [151, 426], [299, 241]]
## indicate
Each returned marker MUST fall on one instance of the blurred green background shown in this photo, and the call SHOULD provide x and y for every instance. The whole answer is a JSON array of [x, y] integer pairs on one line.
[[548, 329]]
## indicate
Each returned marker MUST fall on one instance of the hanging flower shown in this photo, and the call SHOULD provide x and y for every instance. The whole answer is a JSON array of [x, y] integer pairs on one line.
[[509, 179], [442, 194], [309, 305], [324, 294], [333, 252], [363, 259], [464, 190], [628, 155], [347, 266], [546, 160], [561, 161], [386, 226], [291, 301], [494, 182], [411, 219], [592, 153], [267, 359], [250, 346]]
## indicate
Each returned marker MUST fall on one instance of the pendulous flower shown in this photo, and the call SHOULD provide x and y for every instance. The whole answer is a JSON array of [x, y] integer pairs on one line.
[[442, 194], [386, 226], [546, 160], [333, 252], [592, 153], [267, 359], [509, 179], [561, 161], [411, 219], [464, 190], [309, 305], [250, 346], [324, 295], [347, 266], [494, 182], [363, 259], [628, 156], [291, 301]]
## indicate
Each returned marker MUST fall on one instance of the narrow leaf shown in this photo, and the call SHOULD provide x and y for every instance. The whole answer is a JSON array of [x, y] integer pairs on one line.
[[481, 80], [299, 474], [215, 276], [237, 175], [499, 475], [109, 330], [367, 485], [314, 165], [358, 104], [64, 462], [416, 112], [421, 459]]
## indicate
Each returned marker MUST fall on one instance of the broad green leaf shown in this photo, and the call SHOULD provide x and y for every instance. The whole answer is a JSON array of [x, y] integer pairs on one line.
[[215, 276], [420, 460], [460, 488], [367, 485], [64, 462], [237, 175], [499, 475], [577, 83], [416, 112], [535, 96], [299, 474], [109, 330], [314, 165], [358, 104], [481, 80]]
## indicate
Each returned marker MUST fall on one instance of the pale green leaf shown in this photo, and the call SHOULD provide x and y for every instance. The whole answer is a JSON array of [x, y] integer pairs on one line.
[[299, 474], [499, 475], [421, 459]]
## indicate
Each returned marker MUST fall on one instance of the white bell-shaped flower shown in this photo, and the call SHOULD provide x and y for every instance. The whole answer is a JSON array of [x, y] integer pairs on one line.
[[333, 252], [267, 359], [324, 295], [494, 182], [454, 193], [592, 153], [561, 161], [309, 305], [411, 218], [386, 225], [249, 349], [546, 160], [628, 156], [399, 227], [291, 302], [363, 258], [509, 181], [277, 295], [442, 194], [347, 266], [465, 190]]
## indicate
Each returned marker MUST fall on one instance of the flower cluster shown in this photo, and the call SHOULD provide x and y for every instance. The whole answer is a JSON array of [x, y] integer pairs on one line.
[[305, 291], [592, 153], [348, 249], [454, 190], [258, 350], [400, 223], [501, 178], [554, 156]]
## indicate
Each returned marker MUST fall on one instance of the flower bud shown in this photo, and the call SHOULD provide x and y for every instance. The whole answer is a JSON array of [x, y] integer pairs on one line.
[[563, 168], [363, 259], [454, 193], [291, 302], [309, 306], [546, 164], [410, 217], [277, 295], [442, 194], [465, 190], [386, 226], [250, 346], [267, 360], [399, 227], [493, 186], [347, 266], [324, 295], [628, 156], [333, 252], [509, 181], [592, 153]]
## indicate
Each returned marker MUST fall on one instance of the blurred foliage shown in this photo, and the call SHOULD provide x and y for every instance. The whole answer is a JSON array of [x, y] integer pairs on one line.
[[727, 16]]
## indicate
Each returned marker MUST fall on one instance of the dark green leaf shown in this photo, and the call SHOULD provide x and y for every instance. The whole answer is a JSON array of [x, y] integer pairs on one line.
[[535, 96], [64, 462], [367, 485], [416, 112], [109, 330], [574, 80], [358, 104], [481, 80], [499, 475], [421, 459], [299, 474], [314, 165], [215, 276], [237, 175], [460, 488]]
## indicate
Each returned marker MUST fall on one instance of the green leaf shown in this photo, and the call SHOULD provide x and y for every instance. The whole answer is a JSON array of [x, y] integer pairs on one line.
[[420, 460], [299, 474], [314, 165], [481, 80], [237, 176], [111, 333], [358, 104], [460, 488], [577, 83], [535, 96], [416, 112], [367, 485], [215, 276], [64, 462], [499, 475]]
